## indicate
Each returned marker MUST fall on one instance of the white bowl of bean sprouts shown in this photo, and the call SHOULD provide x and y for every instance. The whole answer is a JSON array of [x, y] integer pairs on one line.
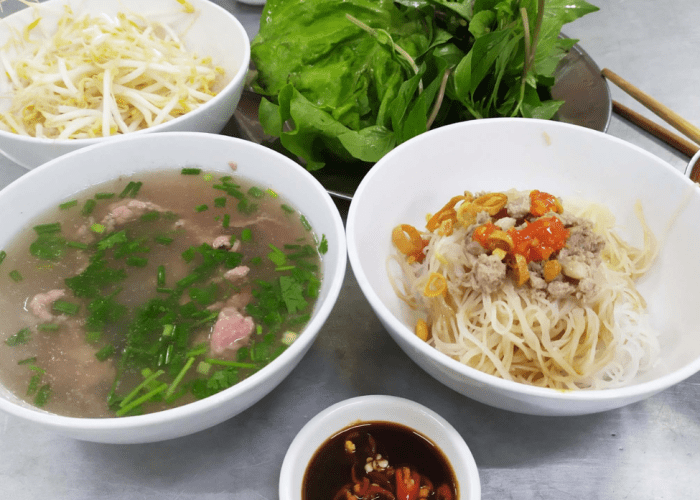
[[507, 305], [115, 68]]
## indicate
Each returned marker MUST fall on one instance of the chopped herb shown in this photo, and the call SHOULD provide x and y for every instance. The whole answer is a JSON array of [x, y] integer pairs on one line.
[[27, 361], [256, 192], [136, 261], [104, 353], [97, 228], [163, 240], [34, 382], [271, 193], [203, 367], [201, 208], [323, 246], [21, 337], [179, 377], [131, 190], [64, 307], [287, 208], [247, 234], [104, 196], [292, 294], [220, 202], [48, 327], [277, 256], [88, 207], [161, 275], [16, 276], [247, 208], [227, 220], [305, 223], [191, 171], [234, 364], [68, 204], [42, 396], [93, 337], [111, 240], [48, 246], [3, 254], [151, 216], [54, 227], [143, 399], [77, 244]]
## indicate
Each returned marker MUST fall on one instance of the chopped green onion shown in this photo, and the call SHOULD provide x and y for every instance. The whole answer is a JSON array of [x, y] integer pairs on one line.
[[168, 330], [199, 349], [220, 202], [179, 377], [141, 400], [305, 223], [21, 337], [201, 208], [277, 256], [97, 228], [163, 240], [27, 361], [131, 190], [287, 208], [203, 368], [247, 234], [16, 276], [280, 269], [105, 352], [150, 378], [161, 275], [48, 327], [233, 364], [271, 193], [54, 227], [65, 307], [227, 220], [68, 204], [3, 254], [77, 244], [191, 171], [289, 337], [88, 207], [164, 290], [137, 261], [104, 196]]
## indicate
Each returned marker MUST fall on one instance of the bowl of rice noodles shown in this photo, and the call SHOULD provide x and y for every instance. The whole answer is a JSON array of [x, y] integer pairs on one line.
[[534, 266]]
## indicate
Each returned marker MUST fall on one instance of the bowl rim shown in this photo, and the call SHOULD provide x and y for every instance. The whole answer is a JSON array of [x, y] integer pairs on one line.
[[351, 408], [294, 352], [237, 79], [397, 327]]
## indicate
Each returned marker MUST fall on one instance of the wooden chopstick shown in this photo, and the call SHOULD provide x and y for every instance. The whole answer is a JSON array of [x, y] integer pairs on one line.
[[674, 140], [666, 114]]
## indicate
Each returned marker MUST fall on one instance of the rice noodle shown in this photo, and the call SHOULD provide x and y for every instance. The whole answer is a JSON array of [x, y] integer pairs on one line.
[[520, 333]]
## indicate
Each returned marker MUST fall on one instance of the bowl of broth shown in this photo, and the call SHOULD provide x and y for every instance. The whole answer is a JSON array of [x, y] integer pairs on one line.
[[381, 447], [157, 285]]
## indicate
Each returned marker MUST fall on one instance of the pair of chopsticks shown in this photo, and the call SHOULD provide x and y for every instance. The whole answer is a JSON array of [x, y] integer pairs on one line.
[[674, 119]]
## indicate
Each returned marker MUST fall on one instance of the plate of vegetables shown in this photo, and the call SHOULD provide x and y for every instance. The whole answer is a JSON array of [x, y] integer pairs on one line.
[[337, 85]]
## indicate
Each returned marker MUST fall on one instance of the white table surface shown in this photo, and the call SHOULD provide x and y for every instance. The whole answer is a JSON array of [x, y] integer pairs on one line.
[[649, 450]]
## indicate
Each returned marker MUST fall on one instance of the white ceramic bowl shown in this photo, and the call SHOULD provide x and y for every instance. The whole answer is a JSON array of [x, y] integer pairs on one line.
[[385, 409], [215, 32], [689, 168], [420, 175], [40, 190]]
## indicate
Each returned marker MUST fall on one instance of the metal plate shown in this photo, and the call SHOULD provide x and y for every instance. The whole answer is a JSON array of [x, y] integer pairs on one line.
[[578, 82]]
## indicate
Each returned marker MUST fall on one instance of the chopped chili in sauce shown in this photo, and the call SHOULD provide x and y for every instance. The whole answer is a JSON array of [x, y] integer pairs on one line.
[[539, 239], [541, 203]]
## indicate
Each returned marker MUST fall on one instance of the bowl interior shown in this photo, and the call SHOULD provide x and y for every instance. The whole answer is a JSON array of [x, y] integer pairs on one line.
[[378, 408], [42, 188], [419, 177]]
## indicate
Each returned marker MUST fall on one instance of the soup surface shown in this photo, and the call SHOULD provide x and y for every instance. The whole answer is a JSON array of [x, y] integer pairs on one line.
[[152, 292], [379, 461]]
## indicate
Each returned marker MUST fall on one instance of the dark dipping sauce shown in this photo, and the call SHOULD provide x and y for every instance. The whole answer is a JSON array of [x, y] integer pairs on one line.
[[379, 461]]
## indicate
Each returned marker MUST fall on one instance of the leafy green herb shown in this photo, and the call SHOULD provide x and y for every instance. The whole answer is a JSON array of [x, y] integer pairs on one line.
[[385, 71], [21, 337], [43, 395], [48, 246], [68, 204], [191, 171], [220, 202], [201, 208], [64, 307], [323, 245], [15, 276], [48, 327], [105, 353]]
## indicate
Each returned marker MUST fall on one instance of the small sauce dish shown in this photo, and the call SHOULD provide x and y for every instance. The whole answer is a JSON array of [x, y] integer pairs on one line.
[[350, 422]]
